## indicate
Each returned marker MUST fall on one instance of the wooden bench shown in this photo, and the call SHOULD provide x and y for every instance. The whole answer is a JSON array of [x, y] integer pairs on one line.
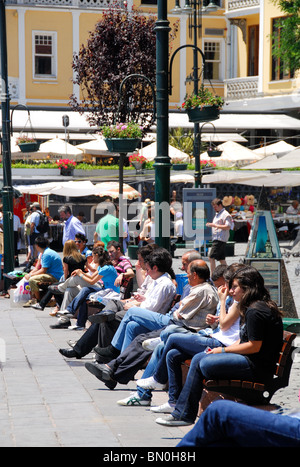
[[250, 392]]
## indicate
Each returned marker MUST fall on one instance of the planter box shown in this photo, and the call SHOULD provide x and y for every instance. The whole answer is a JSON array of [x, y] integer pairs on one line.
[[179, 166], [35, 172]]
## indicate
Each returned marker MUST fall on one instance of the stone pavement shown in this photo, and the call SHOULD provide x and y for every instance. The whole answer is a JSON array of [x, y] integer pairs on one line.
[[50, 401]]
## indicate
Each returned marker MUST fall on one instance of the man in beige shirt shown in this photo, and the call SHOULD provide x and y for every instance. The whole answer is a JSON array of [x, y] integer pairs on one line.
[[192, 312]]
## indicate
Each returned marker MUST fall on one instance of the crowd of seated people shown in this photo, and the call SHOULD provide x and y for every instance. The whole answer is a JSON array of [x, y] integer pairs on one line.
[[226, 324]]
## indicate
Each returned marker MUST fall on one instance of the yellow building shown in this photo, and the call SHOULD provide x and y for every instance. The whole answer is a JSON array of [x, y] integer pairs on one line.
[[255, 79], [235, 39], [43, 37]]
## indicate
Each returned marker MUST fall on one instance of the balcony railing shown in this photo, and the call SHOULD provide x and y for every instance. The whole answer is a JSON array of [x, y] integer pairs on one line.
[[241, 88], [71, 3]]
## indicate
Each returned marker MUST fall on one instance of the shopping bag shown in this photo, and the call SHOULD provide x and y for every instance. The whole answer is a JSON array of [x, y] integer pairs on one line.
[[22, 292]]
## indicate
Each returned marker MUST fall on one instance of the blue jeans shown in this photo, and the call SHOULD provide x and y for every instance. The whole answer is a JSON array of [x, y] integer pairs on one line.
[[178, 348], [80, 302], [229, 424], [146, 394], [137, 321], [213, 366]]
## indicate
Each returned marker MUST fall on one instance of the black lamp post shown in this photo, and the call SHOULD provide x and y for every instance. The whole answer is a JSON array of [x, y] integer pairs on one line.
[[7, 190], [162, 163]]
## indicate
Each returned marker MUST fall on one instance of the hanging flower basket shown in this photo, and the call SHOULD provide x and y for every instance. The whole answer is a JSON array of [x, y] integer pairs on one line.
[[27, 144], [122, 145], [122, 137], [203, 106], [205, 114], [137, 161], [214, 153]]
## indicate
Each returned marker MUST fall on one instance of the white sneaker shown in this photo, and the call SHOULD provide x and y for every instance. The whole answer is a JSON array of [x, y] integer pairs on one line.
[[76, 328], [133, 399], [150, 383], [150, 344], [164, 408]]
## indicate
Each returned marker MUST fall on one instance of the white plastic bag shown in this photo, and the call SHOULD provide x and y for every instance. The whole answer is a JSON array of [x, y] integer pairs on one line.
[[22, 292]]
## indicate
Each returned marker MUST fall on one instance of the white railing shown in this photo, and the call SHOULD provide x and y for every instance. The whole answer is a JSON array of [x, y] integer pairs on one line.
[[239, 4], [241, 88], [71, 3]]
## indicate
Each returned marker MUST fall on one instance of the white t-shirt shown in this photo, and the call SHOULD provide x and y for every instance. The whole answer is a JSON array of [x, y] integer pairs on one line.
[[231, 335]]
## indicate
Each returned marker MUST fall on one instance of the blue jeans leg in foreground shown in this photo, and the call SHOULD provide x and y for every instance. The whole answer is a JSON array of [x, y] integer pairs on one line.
[[213, 366], [227, 423], [140, 321]]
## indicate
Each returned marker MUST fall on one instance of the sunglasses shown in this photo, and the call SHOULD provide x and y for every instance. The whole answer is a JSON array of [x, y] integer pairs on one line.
[[78, 241]]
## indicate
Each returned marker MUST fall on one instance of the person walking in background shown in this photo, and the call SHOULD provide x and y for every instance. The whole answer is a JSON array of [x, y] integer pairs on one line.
[[107, 228], [221, 225], [72, 224]]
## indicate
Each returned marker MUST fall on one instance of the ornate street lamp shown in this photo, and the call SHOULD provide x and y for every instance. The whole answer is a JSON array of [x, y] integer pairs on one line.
[[194, 9]]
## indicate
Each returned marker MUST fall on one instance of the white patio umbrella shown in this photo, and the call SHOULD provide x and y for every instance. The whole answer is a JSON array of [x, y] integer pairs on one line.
[[149, 152], [71, 188], [289, 161], [95, 147], [233, 155], [276, 149], [61, 148], [112, 189], [182, 178], [254, 178]]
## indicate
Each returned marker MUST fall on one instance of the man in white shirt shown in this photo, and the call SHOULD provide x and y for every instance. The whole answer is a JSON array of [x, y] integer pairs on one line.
[[221, 225], [294, 208]]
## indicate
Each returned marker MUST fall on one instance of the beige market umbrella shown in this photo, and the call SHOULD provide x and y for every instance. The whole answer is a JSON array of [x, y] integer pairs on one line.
[[149, 152], [233, 155], [61, 149], [112, 189]]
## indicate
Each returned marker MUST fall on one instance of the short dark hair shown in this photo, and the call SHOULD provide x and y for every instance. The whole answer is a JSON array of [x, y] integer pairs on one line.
[[81, 237], [202, 270], [218, 272], [217, 201], [161, 258], [42, 242], [115, 244], [146, 250]]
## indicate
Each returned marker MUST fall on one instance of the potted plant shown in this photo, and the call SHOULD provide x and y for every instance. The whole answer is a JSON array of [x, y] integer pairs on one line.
[[137, 161], [179, 164], [66, 167], [203, 106], [207, 167], [27, 144], [122, 137], [214, 152]]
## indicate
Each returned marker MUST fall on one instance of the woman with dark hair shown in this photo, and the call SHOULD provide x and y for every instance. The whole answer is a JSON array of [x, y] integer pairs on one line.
[[253, 357]]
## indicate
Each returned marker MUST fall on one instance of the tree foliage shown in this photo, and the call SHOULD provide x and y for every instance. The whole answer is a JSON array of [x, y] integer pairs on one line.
[[287, 48], [122, 44]]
